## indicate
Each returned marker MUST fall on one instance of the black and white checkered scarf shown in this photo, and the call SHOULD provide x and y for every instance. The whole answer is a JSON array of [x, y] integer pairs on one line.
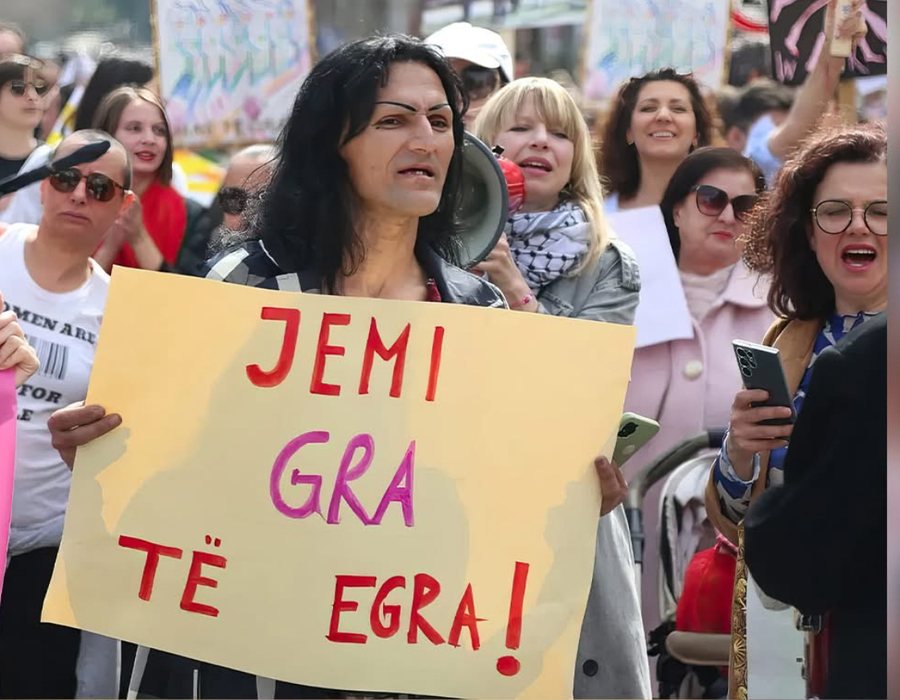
[[546, 245]]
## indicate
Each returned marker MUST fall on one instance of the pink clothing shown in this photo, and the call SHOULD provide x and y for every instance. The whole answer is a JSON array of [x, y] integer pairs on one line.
[[689, 386]]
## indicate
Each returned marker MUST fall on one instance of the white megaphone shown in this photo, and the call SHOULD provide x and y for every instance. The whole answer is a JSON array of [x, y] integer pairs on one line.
[[484, 204]]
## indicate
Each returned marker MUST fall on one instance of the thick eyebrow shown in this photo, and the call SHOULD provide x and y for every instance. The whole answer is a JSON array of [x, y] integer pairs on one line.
[[410, 107]]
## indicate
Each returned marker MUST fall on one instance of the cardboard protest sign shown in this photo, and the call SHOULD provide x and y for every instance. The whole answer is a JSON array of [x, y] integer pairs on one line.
[[796, 37], [662, 313], [627, 39], [229, 70], [7, 458], [350, 493]]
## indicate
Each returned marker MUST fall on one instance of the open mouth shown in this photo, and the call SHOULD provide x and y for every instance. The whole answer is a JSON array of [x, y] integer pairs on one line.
[[536, 164], [664, 135], [858, 257], [145, 156], [418, 171]]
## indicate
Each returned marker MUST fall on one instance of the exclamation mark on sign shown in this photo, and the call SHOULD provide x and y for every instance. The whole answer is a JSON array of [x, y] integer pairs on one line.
[[509, 665]]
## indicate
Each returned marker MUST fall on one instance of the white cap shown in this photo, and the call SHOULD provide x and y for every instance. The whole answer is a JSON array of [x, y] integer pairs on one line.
[[475, 44]]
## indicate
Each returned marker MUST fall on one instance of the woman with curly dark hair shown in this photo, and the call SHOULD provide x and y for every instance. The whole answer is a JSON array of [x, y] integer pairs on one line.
[[822, 236], [654, 122]]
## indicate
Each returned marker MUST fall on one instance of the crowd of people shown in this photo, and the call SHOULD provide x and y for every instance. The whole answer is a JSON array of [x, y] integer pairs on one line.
[[777, 227]]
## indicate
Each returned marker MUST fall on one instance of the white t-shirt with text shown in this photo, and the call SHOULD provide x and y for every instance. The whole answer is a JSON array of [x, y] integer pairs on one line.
[[63, 328]]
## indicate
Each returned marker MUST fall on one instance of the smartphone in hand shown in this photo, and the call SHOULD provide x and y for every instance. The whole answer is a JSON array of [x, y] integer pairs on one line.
[[760, 368], [634, 432]]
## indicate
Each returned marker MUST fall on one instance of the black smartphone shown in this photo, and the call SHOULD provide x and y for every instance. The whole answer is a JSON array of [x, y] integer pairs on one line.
[[760, 368]]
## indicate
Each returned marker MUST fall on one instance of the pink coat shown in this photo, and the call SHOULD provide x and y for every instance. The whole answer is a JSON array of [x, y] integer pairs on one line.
[[688, 386]]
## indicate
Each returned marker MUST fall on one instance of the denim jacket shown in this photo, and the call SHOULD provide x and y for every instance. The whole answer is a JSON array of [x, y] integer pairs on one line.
[[606, 291]]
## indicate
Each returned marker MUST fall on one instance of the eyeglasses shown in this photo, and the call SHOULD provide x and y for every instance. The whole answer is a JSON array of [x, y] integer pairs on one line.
[[233, 200], [835, 216], [99, 186], [479, 82], [19, 87], [711, 201]]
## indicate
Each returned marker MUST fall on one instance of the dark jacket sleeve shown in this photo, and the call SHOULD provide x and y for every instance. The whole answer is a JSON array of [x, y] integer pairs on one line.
[[806, 541]]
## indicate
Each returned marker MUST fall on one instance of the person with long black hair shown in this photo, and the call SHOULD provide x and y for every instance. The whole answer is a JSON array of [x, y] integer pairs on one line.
[[363, 202]]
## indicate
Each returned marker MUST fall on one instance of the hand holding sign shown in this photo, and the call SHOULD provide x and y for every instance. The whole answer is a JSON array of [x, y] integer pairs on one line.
[[76, 425], [14, 348]]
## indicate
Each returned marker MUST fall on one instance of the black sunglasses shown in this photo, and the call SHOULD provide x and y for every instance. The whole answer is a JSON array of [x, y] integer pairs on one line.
[[18, 87], [711, 201], [99, 186], [233, 200]]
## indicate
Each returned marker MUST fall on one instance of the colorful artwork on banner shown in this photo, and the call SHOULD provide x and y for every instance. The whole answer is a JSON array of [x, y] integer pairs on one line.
[[626, 39], [796, 38], [344, 493], [230, 69]]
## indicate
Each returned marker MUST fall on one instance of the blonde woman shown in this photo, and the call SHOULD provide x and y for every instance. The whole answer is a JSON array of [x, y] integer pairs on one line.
[[558, 257]]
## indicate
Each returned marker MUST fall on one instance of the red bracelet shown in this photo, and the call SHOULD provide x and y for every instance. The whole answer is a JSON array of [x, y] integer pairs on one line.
[[524, 301]]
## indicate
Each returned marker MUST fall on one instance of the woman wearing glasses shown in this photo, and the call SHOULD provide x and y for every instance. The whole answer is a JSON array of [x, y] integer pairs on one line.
[[22, 91], [823, 239], [687, 385], [149, 234]]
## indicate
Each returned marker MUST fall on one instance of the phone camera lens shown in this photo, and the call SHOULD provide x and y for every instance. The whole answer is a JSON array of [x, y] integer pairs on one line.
[[627, 429]]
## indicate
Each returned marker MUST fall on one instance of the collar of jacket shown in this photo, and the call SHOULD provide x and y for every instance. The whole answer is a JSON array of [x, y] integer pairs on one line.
[[455, 284], [746, 288]]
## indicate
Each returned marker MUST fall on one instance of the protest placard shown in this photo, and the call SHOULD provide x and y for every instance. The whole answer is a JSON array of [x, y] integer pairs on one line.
[[796, 37], [7, 458], [626, 39], [229, 70], [662, 313], [348, 493]]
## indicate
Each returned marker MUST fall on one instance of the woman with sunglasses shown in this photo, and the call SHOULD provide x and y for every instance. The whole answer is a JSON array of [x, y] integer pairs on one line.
[[22, 91], [687, 385], [149, 234], [655, 121], [822, 237]]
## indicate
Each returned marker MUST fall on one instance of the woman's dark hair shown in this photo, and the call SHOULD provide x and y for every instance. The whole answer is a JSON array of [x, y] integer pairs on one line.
[[305, 215], [14, 66], [109, 114], [619, 164], [694, 168], [110, 74], [778, 240]]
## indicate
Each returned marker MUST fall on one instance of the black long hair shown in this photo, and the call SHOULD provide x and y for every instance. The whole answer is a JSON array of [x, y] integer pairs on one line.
[[304, 217]]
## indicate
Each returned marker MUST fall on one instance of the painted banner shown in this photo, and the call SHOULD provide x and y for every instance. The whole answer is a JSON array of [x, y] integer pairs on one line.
[[344, 493], [796, 37], [7, 457], [229, 70], [626, 39]]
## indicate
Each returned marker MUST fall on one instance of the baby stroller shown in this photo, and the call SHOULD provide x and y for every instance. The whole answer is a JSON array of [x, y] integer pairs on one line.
[[689, 660]]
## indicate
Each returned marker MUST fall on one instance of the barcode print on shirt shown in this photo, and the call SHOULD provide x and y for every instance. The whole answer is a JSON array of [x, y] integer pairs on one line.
[[54, 357]]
